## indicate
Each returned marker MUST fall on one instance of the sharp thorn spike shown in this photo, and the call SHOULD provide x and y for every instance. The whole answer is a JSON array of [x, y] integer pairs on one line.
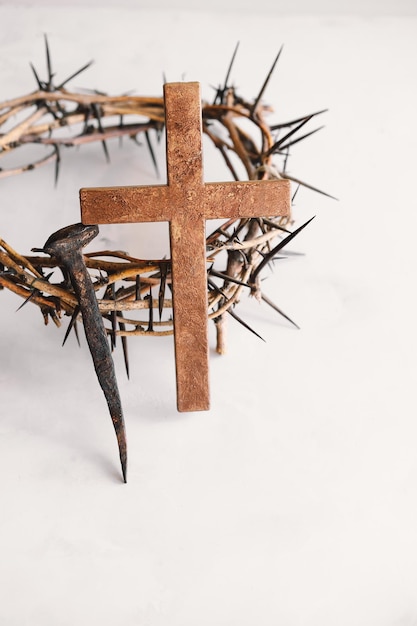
[[229, 69], [281, 141], [298, 139], [48, 62], [67, 80], [28, 299], [137, 288], [100, 127], [150, 148], [277, 248], [308, 186], [38, 80], [295, 193], [57, 164], [72, 325], [278, 310], [228, 278], [162, 285], [244, 324], [150, 322], [122, 327], [264, 86], [297, 121]]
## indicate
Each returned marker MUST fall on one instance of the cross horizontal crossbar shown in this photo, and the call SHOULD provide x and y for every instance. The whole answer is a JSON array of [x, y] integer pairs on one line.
[[159, 203]]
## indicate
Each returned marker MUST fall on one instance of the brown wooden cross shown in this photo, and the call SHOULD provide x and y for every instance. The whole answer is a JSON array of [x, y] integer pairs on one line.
[[186, 202]]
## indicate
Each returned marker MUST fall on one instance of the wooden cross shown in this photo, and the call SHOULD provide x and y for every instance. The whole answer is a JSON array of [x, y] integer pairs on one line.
[[186, 202]]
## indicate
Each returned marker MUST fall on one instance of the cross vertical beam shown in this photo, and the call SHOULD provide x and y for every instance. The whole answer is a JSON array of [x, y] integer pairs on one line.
[[188, 245]]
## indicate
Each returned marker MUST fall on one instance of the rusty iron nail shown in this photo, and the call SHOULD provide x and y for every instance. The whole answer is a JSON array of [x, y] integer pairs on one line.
[[66, 246]]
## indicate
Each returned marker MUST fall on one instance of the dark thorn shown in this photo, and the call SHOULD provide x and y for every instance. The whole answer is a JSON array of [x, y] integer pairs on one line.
[[97, 114], [228, 279], [273, 224], [73, 325], [244, 324], [38, 80], [221, 92], [277, 248], [213, 285], [150, 148], [113, 317], [162, 284], [149, 297], [57, 164], [278, 310], [297, 121], [226, 80], [138, 295], [264, 86], [300, 182], [48, 63], [287, 154], [294, 141], [77, 336], [82, 69], [122, 327], [28, 299], [279, 143], [295, 193]]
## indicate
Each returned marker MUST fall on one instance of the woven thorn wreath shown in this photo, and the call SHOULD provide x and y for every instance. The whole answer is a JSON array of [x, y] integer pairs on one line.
[[130, 290]]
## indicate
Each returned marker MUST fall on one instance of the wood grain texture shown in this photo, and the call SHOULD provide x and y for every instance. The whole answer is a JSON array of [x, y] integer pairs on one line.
[[186, 202]]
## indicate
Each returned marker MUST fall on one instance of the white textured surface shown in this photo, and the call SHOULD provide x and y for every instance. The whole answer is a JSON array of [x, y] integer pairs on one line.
[[294, 500]]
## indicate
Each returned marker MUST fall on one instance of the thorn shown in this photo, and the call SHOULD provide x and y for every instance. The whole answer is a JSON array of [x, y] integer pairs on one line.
[[294, 141], [110, 294], [48, 64], [239, 319], [137, 288], [264, 86], [300, 182], [149, 297], [28, 299], [213, 285], [279, 143], [295, 193], [73, 325], [277, 248], [300, 119], [162, 284], [77, 336], [122, 327], [38, 80], [150, 148], [82, 69], [273, 224], [100, 127], [57, 164], [220, 91], [278, 310], [227, 278]]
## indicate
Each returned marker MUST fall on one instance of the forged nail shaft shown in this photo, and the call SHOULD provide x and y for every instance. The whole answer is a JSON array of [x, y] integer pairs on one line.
[[66, 246]]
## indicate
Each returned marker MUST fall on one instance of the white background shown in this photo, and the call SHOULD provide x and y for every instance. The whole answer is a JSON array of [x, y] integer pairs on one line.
[[274, 7], [294, 500]]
